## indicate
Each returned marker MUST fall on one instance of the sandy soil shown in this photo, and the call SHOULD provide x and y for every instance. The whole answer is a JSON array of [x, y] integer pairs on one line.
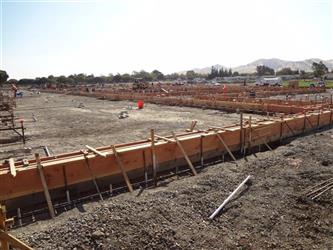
[[271, 212], [67, 123]]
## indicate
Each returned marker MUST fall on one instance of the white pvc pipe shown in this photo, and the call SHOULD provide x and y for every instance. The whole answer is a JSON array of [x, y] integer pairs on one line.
[[229, 198]]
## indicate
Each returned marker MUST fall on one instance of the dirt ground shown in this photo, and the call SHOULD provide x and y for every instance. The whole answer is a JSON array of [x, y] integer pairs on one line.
[[68, 123], [271, 212]]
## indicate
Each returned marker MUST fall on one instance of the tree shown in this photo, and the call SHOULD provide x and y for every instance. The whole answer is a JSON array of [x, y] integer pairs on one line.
[[26, 81], [173, 76], [157, 75], [126, 78], [3, 76], [235, 73], [285, 71], [117, 78], [214, 72], [264, 70], [12, 81], [143, 74], [41, 80], [190, 74], [319, 69]]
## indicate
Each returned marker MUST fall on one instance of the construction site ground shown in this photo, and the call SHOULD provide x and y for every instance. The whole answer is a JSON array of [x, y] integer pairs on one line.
[[66, 123], [271, 212]]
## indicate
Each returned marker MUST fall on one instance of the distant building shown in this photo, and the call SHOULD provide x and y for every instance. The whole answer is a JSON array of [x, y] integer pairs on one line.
[[269, 81]]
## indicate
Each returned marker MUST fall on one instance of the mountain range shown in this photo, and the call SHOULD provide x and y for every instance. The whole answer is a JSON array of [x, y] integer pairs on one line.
[[274, 63]]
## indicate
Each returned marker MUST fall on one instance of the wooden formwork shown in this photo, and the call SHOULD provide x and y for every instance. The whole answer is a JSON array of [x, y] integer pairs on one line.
[[214, 98], [6, 239], [8, 121], [38, 175]]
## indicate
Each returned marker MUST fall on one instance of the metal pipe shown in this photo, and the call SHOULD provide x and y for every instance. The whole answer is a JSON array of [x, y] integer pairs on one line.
[[229, 198]]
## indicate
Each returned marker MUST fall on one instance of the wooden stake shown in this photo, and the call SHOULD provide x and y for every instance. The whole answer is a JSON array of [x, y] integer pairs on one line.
[[22, 128], [241, 133], [310, 122], [44, 183], [201, 151], [4, 243], [281, 128], [318, 120], [19, 217], [122, 168], [153, 155], [93, 178], [291, 130], [66, 184], [226, 147], [268, 146], [12, 167], [145, 168], [250, 132], [184, 153]]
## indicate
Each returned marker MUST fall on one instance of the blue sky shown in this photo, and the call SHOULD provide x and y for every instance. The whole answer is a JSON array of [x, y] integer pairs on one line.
[[59, 37]]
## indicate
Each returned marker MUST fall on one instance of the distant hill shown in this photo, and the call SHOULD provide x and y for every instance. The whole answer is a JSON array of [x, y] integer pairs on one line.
[[273, 63], [278, 64]]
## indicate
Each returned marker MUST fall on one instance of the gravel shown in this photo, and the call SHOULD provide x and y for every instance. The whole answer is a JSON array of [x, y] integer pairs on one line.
[[270, 212]]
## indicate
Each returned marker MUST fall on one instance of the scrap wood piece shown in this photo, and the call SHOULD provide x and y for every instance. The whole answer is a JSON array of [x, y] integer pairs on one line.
[[123, 114], [229, 198], [45, 187], [226, 147], [184, 153], [313, 192], [323, 191], [164, 138], [193, 124], [47, 151], [165, 91], [122, 168], [217, 128], [96, 151], [12, 167], [319, 184]]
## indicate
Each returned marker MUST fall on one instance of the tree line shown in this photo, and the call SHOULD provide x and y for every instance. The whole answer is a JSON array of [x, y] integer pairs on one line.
[[319, 69], [215, 72]]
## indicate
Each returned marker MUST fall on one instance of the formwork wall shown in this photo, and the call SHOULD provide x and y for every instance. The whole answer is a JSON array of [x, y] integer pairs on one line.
[[71, 169]]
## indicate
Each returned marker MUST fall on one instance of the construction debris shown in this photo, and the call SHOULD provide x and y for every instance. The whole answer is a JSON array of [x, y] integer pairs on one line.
[[123, 114], [319, 189]]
